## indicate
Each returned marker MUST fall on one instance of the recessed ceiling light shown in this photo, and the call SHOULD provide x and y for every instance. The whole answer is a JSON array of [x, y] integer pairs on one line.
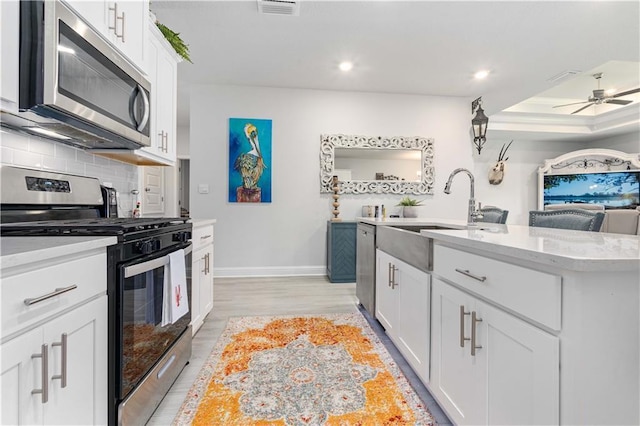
[[345, 66], [481, 74]]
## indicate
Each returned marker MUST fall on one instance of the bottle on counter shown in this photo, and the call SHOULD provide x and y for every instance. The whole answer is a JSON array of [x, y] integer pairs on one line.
[[384, 213], [377, 213], [136, 211]]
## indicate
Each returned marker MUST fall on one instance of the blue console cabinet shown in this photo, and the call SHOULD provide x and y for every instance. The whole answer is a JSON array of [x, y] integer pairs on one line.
[[341, 251]]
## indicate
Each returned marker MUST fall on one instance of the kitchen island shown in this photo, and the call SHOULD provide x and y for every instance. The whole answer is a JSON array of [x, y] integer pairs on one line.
[[535, 325]]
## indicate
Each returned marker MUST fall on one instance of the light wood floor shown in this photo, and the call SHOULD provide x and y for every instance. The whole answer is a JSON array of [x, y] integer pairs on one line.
[[250, 297], [276, 296]]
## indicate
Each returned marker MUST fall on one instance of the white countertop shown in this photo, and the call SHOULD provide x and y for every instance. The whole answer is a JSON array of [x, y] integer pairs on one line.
[[414, 221], [202, 222], [566, 249], [16, 251]]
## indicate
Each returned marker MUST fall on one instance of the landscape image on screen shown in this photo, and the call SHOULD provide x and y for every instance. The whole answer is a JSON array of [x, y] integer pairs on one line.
[[613, 189]]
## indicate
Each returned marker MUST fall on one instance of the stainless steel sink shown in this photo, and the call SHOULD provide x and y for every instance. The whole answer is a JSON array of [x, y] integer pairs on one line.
[[405, 243]]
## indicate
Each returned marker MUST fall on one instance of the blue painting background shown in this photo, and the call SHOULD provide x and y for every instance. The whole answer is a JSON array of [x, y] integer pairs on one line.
[[239, 144]]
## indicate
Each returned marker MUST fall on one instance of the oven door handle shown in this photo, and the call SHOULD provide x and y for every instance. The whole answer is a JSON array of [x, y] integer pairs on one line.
[[141, 268]]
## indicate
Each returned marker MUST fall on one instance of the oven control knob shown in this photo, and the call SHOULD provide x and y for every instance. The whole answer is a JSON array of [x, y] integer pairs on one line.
[[144, 247], [183, 237]]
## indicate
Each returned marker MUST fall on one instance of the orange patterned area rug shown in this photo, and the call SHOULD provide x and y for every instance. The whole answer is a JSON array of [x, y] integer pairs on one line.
[[301, 370]]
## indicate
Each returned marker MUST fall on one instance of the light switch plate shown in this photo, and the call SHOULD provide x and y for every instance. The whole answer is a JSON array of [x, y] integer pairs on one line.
[[203, 188]]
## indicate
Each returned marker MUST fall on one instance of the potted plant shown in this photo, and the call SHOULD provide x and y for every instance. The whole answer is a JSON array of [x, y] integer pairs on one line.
[[409, 206]]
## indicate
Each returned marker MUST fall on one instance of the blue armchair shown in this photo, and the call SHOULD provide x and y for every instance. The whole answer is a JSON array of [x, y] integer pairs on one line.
[[577, 219]]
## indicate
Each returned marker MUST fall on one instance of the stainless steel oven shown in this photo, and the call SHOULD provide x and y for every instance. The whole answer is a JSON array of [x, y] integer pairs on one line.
[[150, 355], [74, 86]]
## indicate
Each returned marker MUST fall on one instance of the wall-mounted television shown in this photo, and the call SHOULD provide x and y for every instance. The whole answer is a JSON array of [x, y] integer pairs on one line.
[[615, 190]]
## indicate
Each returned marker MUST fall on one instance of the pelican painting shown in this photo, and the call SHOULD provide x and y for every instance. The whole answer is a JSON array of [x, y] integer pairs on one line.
[[249, 156]]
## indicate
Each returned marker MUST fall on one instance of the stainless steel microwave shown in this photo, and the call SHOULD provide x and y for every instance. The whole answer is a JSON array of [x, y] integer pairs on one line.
[[75, 87]]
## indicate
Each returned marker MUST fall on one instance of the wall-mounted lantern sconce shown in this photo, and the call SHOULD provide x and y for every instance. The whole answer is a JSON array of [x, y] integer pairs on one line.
[[479, 123]]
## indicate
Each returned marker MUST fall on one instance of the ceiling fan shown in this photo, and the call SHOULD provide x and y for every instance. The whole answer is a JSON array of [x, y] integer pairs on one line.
[[600, 97]]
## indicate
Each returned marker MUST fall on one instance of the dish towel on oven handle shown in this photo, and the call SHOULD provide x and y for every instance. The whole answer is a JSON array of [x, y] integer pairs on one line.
[[174, 294]]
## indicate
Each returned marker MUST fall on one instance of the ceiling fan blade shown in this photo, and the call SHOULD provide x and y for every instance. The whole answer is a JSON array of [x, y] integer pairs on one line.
[[628, 92], [618, 102], [584, 107], [575, 103]]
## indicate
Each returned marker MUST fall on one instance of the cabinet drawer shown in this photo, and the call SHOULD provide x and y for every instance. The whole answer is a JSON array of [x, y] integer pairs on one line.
[[531, 293], [202, 236], [88, 273]]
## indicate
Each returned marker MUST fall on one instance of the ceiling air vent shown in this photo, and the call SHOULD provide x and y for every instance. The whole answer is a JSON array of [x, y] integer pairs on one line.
[[279, 7], [563, 75]]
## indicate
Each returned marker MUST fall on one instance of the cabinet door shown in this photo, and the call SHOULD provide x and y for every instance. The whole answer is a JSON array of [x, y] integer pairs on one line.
[[412, 339], [453, 373], [83, 399], [518, 366], [386, 294], [9, 39], [206, 282], [127, 29], [198, 264], [163, 77], [20, 375]]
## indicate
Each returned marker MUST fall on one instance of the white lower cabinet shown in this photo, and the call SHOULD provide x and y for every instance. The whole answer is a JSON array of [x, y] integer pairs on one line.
[[489, 367], [57, 373], [402, 307], [201, 274]]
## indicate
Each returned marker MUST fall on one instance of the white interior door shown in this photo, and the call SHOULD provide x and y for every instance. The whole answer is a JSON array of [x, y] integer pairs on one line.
[[153, 191]]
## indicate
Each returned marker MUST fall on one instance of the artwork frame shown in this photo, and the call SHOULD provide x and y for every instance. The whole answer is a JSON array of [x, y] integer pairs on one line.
[[250, 156]]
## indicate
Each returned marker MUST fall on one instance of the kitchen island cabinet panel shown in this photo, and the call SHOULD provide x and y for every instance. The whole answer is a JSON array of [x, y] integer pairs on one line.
[[402, 307], [489, 367]]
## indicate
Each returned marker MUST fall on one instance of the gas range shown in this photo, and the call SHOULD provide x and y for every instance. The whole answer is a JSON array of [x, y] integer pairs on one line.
[[126, 229], [146, 353]]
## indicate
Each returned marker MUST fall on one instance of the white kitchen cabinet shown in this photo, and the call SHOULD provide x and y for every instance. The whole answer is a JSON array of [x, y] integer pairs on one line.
[[402, 307], [9, 39], [511, 376], [54, 335], [163, 72], [123, 23], [201, 273]]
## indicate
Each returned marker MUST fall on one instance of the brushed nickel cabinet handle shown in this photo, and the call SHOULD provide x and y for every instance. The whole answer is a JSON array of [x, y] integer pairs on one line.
[[389, 280], [56, 292], [394, 284], [44, 360], [204, 237], [124, 24], [462, 315], [474, 321], [63, 363], [470, 275]]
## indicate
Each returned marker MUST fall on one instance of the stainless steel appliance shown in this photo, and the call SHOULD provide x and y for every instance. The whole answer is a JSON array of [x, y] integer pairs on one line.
[[144, 357], [74, 86], [109, 202], [366, 267]]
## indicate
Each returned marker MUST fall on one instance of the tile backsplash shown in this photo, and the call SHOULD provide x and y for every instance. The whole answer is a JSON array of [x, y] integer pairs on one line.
[[18, 149]]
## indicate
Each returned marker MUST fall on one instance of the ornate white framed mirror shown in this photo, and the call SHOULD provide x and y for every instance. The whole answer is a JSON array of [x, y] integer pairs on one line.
[[377, 165]]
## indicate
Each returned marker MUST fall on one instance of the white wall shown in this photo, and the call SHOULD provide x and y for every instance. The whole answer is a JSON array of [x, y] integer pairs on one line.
[[287, 236], [42, 154], [629, 142]]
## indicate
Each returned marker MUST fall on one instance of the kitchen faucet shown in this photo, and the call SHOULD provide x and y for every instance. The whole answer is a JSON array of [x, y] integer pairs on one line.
[[474, 214]]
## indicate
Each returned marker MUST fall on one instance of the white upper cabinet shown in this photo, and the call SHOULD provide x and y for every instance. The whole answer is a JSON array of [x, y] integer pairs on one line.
[[163, 71], [9, 38], [123, 23]]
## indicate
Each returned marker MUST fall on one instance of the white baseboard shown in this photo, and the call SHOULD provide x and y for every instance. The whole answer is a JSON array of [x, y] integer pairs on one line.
[[270, 271]]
